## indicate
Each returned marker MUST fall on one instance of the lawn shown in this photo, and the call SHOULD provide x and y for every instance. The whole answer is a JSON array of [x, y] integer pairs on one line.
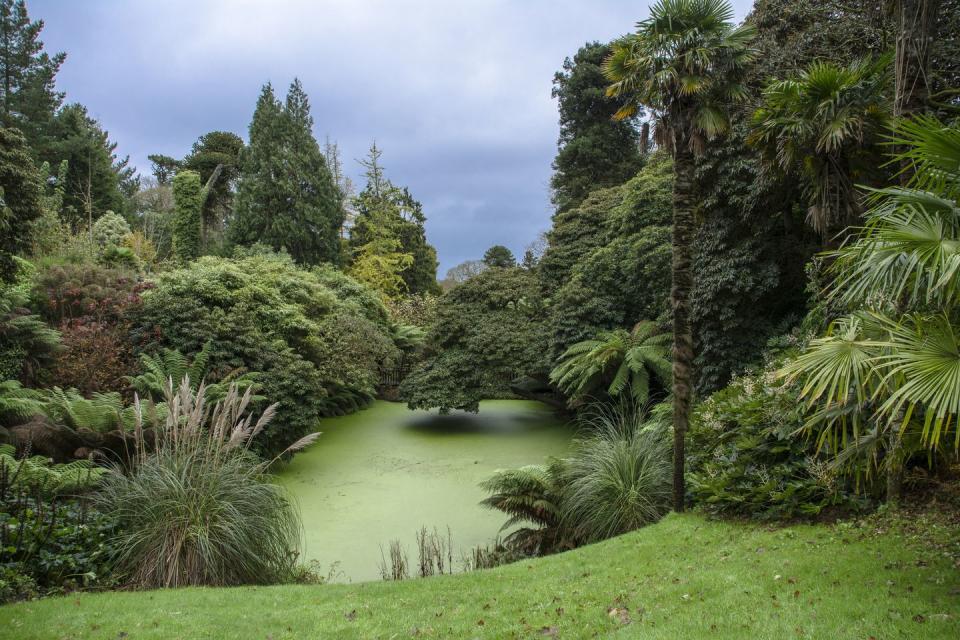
[[686, 577]]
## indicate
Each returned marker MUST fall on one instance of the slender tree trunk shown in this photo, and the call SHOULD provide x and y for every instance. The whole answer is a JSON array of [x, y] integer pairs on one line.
[[917, 20], [682, 276]]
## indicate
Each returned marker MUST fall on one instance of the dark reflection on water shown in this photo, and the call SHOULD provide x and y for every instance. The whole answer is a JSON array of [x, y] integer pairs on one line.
[[507, 423]]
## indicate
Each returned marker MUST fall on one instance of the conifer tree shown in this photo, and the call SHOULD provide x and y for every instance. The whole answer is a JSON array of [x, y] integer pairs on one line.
[[28, 100], [287, 198], [20, 200]]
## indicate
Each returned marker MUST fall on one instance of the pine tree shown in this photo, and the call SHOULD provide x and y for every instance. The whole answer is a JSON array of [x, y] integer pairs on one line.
[[287, 198], [27, 96], [187, 215]]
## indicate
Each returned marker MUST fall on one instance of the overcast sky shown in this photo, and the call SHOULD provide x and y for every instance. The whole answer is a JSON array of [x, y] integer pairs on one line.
[[456, 93]]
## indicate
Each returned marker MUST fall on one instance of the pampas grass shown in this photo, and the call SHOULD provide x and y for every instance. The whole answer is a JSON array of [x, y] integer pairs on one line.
[[196, 506]]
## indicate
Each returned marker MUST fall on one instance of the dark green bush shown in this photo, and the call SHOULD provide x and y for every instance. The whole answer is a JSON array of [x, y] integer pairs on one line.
[[747, 459], [314, 340], [51, 541]]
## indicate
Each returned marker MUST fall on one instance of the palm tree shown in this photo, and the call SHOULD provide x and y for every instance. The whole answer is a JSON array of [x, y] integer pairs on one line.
[[821, 125], [684, 66], [896, 359], [617, 360]]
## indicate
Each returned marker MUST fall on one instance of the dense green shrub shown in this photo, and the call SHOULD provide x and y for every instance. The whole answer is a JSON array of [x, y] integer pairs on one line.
[[27, 344], [50, 540], [746, 458], [487, 333], [315, 339], [110, 229]]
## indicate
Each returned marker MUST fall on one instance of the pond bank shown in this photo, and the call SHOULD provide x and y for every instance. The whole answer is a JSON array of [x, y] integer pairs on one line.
[[382, 473]]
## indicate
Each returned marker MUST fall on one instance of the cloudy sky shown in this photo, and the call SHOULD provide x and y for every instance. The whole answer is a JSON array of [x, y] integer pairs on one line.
[[456, 93]]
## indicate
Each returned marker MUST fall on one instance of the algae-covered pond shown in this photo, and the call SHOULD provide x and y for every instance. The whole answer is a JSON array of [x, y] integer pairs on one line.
[[382, 473]]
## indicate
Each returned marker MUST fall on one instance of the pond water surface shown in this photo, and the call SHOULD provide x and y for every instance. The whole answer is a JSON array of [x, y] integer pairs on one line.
[[382, 473]]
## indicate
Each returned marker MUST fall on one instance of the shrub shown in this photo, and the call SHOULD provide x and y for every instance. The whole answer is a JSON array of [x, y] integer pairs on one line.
[[619, 477], [315, 339], [110, 229], [200, 509], [121, 258], [71, 291], [27, 344], [50, 542], [95, 357], [745, 458]]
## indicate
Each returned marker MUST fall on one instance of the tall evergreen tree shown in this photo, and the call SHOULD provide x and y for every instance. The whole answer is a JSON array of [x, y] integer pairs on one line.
[[595, 150], [27, 96], [21, 200], [385, 209], [286, 196], [95, 174]]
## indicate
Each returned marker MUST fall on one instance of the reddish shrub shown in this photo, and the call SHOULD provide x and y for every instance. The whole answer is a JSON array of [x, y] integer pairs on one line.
[[95, 356]]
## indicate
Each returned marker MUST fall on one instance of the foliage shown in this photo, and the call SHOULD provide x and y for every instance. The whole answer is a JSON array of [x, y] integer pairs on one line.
[[170, 366], [618, 360], [747, 460], [27, 95], [610, 258], [531, 495], [286, 197], [141, 247], [316, 339], [95, 175], [110, 229], [487, 333], [824, 124], [618, 477], [388, 227], [20, 200], [50, 542], [892, 366], [94, 356], [498, 256], [216, 157], [198, 509], [187, 218], [27, 344], [594, 150]]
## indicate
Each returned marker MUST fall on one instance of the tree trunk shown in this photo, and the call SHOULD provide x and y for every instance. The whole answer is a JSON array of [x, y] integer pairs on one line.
[[894, 470], [682, 277], [917, 20]]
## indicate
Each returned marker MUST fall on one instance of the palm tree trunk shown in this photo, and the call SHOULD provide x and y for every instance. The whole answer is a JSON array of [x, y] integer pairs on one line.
[[682, 276]]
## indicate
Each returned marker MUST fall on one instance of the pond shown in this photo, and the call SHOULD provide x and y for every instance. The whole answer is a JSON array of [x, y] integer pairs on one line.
[[381, 474]]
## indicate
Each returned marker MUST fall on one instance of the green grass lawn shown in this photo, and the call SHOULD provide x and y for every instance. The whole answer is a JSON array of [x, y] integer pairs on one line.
[[687, 577]]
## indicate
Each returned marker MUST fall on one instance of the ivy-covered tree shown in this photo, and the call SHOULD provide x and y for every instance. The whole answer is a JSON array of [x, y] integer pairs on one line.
[[28, 98], [187, 215], [215, 156], [21, 200], [594, 149], [286, 197]]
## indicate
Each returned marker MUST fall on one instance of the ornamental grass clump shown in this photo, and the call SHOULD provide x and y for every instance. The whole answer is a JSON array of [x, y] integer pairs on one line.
[[618, 478], [196, 506]]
